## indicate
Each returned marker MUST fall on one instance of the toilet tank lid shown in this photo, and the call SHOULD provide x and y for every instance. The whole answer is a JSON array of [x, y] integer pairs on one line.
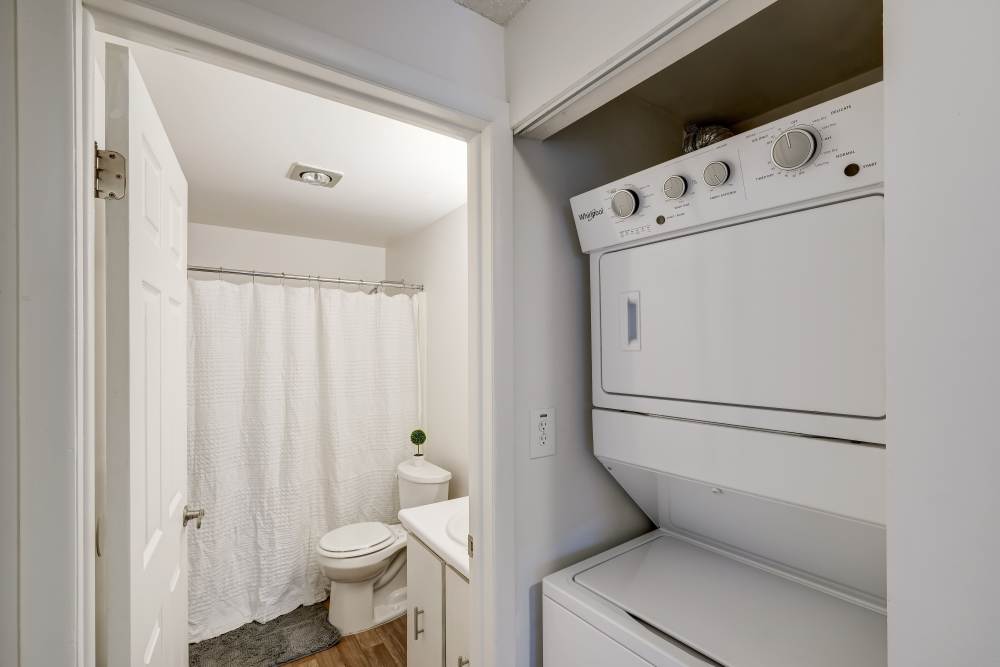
[[419, 471]]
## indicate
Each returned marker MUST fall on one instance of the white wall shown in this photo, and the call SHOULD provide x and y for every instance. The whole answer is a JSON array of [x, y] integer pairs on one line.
[[568, 506], [943, 279], [50, 420], [438, 257], [8, 340], [451, 42], [554, 46], [213, 245], [433, 49]]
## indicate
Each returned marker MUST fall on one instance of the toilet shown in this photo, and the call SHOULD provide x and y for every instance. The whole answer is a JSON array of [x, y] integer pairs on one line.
[[366, 562]]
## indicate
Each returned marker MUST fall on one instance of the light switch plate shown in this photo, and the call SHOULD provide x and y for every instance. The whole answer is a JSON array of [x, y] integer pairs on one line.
[[543, 433]]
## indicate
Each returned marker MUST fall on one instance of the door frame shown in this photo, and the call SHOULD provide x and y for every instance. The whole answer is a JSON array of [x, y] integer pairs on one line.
[[293, 55]]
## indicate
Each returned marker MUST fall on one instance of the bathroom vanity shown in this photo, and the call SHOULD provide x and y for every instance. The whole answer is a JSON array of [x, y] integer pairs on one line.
[[437, 574]]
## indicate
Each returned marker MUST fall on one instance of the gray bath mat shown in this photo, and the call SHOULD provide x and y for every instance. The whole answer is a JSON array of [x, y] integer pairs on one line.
[[302, 632]]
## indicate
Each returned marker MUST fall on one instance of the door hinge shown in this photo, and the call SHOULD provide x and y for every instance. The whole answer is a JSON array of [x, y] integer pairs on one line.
[[110, 174], [470, 546]]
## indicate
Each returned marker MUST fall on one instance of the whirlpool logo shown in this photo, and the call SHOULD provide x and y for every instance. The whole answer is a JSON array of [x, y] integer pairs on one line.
[[587, 216]]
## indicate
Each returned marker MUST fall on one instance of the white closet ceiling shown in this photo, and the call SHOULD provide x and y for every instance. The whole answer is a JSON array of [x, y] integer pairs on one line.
[[237, 136]]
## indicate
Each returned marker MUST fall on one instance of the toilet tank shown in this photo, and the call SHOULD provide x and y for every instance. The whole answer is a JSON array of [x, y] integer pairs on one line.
[[421, 482]]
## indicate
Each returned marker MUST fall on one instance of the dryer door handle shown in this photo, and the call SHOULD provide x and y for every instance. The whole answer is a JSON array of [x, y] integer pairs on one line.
[[631, 321]]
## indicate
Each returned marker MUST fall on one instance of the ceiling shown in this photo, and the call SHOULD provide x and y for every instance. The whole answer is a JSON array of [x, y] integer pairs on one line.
[[237, 136], [498, 11]]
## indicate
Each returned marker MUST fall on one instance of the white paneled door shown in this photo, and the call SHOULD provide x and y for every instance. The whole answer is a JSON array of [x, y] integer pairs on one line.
[[144, 540]]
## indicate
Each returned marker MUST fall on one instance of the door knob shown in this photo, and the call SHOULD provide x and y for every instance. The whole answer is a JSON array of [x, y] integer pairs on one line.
[[190, 514]]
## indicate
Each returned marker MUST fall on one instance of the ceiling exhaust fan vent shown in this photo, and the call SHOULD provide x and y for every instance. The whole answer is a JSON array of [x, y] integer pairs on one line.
[[323, 178]]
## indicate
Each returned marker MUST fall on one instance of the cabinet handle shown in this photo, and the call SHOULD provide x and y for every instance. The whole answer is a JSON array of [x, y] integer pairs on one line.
[[417, 630], [463, 661]]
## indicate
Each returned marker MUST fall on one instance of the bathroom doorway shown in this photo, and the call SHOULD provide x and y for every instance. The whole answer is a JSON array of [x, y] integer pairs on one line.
[[247, 260]]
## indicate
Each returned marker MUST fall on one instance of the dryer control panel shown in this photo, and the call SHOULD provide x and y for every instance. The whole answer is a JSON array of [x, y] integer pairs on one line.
[[827, 149]]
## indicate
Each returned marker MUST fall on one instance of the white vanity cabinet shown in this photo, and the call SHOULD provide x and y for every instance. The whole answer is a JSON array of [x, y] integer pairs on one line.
[[425, 606], [437, 616], [456, 614], [437, 567]]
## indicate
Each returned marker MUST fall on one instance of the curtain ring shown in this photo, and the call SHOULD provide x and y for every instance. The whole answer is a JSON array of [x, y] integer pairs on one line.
[[220, 273], [282, 278]]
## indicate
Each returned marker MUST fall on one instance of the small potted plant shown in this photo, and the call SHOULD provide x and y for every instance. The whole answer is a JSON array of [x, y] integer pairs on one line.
[[418, 438]]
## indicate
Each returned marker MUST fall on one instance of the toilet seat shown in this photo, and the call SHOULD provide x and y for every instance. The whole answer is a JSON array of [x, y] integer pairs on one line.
[[356, 539]]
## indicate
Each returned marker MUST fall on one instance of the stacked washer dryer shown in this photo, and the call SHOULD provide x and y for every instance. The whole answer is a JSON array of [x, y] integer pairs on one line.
[[737, 299]]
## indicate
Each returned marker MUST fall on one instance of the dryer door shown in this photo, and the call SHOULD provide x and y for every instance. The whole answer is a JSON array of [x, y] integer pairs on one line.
[[783, 313]]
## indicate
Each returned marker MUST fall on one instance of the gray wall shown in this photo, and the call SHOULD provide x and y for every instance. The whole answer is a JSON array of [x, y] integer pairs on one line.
[[568, 507], [8, 340], [943, 237]]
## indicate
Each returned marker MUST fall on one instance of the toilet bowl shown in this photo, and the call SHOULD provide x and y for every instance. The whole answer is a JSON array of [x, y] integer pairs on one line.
[[365, 565], [365, 562]]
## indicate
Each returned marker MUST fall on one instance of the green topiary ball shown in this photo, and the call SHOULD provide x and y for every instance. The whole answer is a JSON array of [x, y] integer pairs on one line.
[[418, 437]]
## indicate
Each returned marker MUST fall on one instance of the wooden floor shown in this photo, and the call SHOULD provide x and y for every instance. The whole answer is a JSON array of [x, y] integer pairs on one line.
[[384, 646]]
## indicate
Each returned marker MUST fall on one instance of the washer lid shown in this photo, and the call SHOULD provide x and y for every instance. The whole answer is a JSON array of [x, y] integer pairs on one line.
[[422, 472], [355, 538], [736, 613]]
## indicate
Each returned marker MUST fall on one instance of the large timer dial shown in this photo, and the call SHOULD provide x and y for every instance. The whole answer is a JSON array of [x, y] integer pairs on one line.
[[793, 148]]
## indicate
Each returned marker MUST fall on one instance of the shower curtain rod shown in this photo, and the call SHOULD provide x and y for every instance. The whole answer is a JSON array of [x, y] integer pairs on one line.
[[396, 284]]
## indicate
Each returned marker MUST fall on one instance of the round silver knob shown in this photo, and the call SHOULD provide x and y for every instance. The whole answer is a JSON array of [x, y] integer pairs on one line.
[[716, 173], [675, 187], [624, 203], [793, 148]]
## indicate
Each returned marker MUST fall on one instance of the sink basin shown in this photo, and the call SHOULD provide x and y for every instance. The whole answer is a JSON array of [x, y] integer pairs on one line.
[[458, 527], [444, 528]]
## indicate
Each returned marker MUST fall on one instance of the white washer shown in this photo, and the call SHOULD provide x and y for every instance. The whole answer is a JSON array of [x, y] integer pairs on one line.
[[738, 344]]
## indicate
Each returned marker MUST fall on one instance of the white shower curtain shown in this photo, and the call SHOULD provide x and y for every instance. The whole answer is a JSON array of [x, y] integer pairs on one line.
[[300, 401]]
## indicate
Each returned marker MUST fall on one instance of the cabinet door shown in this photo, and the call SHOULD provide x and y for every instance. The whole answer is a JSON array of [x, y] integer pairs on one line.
[[425, 606], [456, 614]]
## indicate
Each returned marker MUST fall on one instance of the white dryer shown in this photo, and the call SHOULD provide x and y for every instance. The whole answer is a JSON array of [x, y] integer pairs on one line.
[[737, 299]]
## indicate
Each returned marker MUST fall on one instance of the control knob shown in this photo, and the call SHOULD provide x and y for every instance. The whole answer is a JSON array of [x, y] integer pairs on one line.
[[624, 203], [716, 173], [793, 148], [675, 187]]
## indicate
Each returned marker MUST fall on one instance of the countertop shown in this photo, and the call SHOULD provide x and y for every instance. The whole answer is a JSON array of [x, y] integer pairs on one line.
[[429, 524]]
